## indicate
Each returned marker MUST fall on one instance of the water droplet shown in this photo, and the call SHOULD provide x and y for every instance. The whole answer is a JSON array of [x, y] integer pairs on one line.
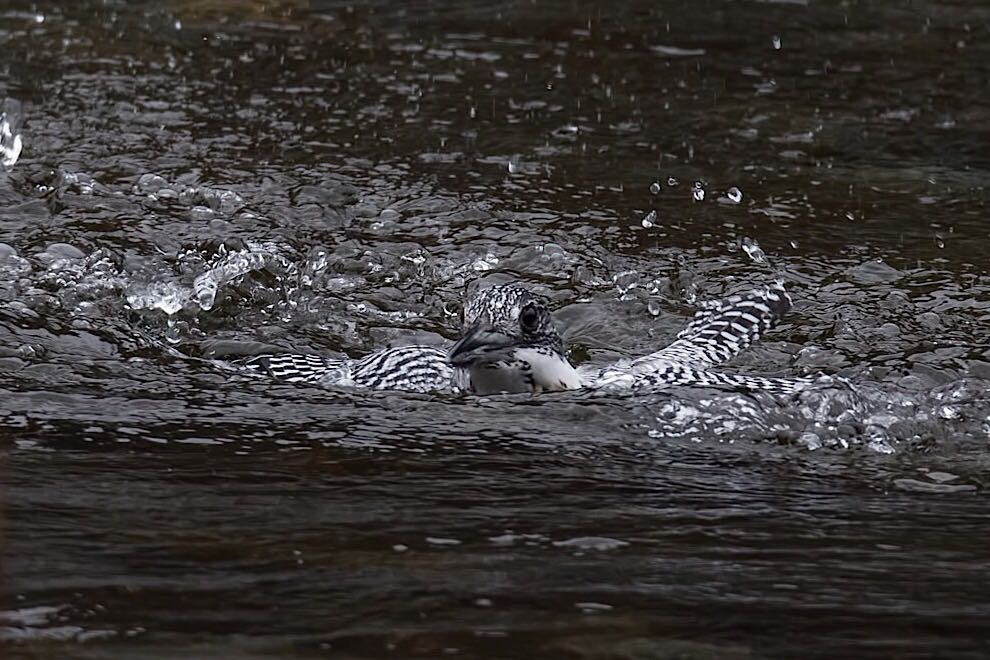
[[178, 24], [794, 244], [655, 187], [649, 219], [512, 167], [39, 18], [734, 194], [671, 182], [653, 307], [10, 141], [698, 191], [753, 250], [173, 332], [776, 42], [939, 242]]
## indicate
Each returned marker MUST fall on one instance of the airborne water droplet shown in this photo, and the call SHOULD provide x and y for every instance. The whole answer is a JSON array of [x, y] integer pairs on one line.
[[649, 219], [753, 250], [776, 42], [653, 307], [734, 194], [698, 191], [671, 182], [939, 242], [655, 187]]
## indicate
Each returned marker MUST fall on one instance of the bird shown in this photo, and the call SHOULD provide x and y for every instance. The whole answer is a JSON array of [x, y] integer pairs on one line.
[[510, 344]]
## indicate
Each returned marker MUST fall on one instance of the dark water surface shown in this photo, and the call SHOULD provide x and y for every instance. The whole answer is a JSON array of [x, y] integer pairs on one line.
[[197, 176]]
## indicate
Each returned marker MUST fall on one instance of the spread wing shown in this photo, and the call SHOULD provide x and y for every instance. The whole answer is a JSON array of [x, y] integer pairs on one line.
[[719, 331], [405, 368], [722, 329]]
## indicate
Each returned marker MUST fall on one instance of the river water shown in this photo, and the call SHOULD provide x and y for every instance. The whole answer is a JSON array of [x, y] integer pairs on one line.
[[193, 179]]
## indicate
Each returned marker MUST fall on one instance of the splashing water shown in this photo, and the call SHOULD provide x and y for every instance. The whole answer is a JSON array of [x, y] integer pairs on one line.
[[753, 250], [698, 191], [10, 140], [230, 267]]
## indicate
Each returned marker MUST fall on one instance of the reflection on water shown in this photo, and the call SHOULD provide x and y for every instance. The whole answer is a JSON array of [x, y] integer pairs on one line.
[[183, 179]]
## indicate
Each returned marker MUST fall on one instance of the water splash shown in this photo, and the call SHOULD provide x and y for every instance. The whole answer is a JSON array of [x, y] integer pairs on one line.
[[169, 297], [698, 191], [753, 250], [649, 219], [10, 140], [229, 268]]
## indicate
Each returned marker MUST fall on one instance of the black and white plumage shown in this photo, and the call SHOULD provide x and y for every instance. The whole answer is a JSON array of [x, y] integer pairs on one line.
[[406, 368], [510, 344]]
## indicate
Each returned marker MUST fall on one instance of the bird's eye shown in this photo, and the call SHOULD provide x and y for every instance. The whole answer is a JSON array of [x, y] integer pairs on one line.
[[529, 319]]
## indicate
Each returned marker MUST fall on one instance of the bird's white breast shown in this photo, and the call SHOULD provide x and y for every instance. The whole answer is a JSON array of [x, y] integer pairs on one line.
[[528, 370]]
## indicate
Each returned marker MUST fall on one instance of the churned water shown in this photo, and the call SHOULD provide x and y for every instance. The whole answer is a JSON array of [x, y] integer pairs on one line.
[[184, 180]]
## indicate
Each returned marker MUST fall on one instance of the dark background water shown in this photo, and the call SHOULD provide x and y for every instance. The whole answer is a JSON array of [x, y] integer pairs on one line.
[[346, 171]]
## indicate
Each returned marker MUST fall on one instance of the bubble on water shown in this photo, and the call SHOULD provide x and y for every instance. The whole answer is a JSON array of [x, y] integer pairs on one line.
[[655, 187], [150, 183], [201, 213], [649, 219], [12, 266], [753, 250], [698, 191], [776, 42], [56, 251], [488, 262], [671, 182], [225, 202], [626, 281], [734, 194]]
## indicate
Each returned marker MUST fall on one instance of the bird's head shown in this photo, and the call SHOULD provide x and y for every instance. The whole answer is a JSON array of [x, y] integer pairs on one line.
[[511, 344]]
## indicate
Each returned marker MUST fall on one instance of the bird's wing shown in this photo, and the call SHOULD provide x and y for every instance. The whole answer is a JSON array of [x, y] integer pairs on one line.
[[406, 368], [721, 330], [299, 368], [675, 374]]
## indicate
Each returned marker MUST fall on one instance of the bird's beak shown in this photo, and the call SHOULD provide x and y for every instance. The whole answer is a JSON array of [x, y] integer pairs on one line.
[[480, 342]]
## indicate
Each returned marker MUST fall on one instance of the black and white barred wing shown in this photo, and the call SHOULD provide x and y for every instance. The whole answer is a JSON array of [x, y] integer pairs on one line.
[[299, 368], [406, 368], [722, 329], [719, 331]]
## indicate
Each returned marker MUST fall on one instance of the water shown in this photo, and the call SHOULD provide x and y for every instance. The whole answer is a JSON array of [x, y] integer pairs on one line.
[[197, 181]]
